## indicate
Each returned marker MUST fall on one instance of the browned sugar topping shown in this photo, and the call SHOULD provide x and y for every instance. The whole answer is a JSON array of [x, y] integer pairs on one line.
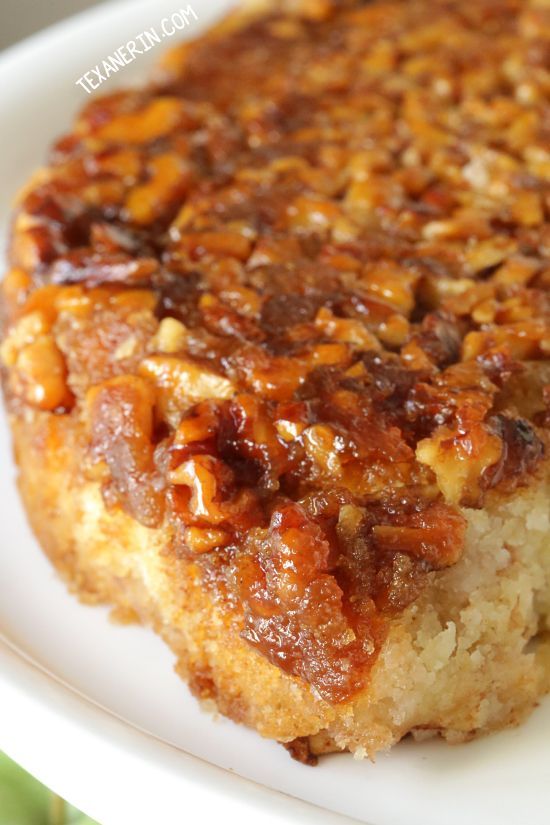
[[297, 293]]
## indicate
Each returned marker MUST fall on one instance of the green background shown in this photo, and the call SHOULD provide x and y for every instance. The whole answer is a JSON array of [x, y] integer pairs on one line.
[[24, 801]]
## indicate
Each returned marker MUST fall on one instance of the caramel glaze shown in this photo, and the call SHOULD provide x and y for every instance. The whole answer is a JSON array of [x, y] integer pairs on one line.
[[286, 288]]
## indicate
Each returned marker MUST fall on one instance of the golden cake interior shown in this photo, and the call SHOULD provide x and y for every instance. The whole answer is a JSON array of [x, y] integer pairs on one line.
[[276, 358]]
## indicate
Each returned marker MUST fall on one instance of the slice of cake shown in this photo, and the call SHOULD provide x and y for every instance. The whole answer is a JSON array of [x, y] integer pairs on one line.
[[276, 359]]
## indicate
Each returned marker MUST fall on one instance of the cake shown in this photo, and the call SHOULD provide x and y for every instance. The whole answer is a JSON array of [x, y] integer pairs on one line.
[[275, 356]]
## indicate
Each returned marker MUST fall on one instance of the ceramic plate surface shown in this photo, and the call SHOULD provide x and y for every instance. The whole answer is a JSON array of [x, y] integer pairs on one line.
[[95, 710]]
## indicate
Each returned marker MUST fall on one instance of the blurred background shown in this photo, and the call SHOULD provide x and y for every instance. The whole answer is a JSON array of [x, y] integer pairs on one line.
[[19, 18]]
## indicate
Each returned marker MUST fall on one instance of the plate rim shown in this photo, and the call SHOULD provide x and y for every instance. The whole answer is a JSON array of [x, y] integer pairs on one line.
[[28, 691]]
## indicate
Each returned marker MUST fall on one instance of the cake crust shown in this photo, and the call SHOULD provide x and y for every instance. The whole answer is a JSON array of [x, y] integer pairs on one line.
[[276, 359], [458, 662]]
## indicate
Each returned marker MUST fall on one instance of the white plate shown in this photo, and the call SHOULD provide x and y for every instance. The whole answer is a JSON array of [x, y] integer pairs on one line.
[[95, 710]]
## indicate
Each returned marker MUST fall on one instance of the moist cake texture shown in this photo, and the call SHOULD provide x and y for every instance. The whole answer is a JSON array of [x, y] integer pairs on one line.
[[276, 359]]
